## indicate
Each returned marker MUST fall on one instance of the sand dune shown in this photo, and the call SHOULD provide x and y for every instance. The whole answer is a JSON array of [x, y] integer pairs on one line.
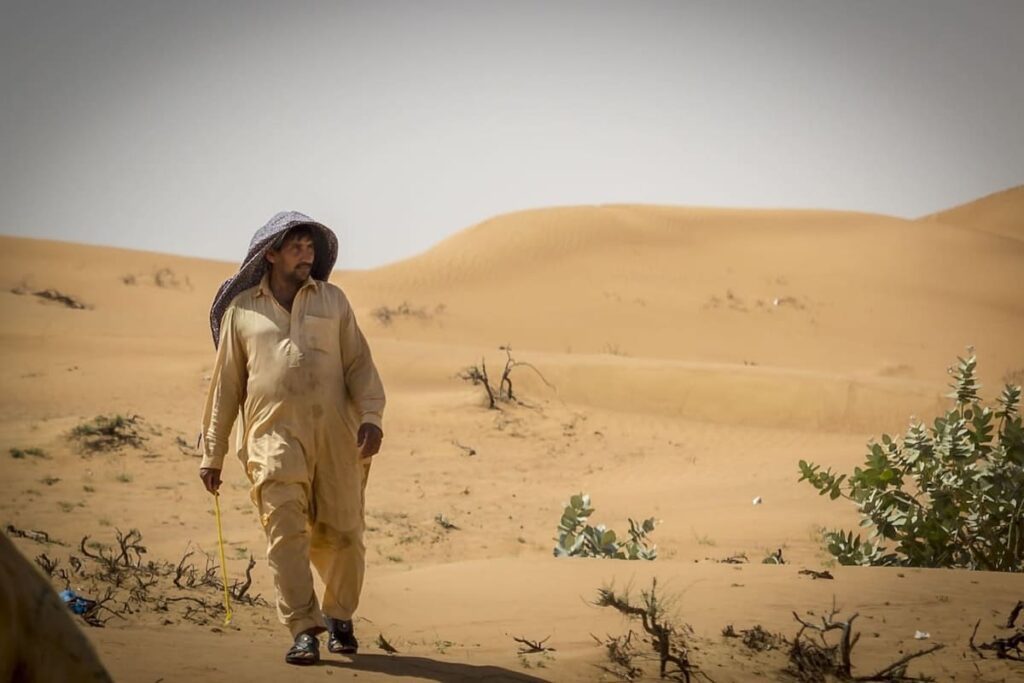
[[998, 213], [692, 356]]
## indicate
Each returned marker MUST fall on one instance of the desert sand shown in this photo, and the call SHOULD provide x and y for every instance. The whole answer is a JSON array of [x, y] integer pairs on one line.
[[692, 355]]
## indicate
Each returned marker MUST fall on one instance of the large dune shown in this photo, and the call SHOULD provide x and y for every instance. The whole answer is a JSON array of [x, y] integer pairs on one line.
[[691, 357], [998, 213]]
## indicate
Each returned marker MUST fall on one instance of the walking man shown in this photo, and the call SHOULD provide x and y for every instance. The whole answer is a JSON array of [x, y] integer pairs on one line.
[[295, 369]]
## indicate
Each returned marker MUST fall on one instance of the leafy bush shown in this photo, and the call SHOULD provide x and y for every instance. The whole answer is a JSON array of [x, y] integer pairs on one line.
[[946, 496], [576, 538]]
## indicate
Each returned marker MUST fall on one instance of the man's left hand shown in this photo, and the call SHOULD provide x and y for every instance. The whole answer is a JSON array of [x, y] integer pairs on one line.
[[370, 436]]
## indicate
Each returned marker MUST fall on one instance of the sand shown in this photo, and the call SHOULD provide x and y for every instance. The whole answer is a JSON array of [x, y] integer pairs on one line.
[[692, 356]]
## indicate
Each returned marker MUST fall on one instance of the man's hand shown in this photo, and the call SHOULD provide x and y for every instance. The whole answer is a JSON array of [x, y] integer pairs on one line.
[[369, 440], [211, 479]]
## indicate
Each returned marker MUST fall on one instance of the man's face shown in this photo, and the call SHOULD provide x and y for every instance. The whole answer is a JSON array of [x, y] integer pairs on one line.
[[294, 260]]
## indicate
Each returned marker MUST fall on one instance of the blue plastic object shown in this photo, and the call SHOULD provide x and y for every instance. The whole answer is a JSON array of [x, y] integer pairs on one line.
[[76, 603]]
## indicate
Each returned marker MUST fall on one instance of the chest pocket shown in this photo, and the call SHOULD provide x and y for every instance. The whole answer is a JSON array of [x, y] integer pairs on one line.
[[322, 335]]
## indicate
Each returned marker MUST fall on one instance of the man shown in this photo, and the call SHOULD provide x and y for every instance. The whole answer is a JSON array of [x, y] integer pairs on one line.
[[292, 360]]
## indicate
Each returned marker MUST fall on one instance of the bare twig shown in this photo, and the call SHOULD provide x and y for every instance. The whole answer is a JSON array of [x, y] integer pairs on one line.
[[824, 574], [48, 565], [1014, 613], [238, 592], [37, 536], [532, 646]]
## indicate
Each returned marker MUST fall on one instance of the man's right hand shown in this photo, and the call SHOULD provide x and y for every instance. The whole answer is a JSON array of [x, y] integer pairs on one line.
[[211, 478]]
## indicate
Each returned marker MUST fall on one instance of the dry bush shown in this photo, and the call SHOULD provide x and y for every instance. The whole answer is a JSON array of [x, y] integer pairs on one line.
[[109, 433]]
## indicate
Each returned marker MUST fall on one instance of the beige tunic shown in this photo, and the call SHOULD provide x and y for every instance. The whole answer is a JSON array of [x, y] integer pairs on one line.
[[304, 382]]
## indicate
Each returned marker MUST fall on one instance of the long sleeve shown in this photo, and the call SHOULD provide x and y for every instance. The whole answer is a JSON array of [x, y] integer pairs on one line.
[[226, 394], [361, 378]]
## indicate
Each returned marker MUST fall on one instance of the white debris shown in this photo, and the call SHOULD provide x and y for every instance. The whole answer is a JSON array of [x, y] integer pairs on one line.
[[922, 635], [758, 500]]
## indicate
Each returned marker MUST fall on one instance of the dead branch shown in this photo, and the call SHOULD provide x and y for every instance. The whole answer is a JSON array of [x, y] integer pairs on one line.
[[188, 572], [468, 450], [620, 653], [48, 565], [1009, 647], [238, 592], [1014, 613], [478, 375], [130, 543], [383, 644], [811, 662], [107, 561], [738, 558], [37, 536], [532, 646], [666, 640], [505, 386], [897, 670], [92, 617], [825, 574]]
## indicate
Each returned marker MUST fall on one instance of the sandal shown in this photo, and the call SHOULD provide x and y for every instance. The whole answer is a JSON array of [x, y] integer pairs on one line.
[[305, 651], [341, 639]]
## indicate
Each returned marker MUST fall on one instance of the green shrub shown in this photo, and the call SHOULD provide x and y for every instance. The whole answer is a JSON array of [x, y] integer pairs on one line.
[[951, 495], [576, 538]]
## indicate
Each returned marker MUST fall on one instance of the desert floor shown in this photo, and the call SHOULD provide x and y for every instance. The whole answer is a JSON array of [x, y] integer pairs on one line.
[[692, 358]]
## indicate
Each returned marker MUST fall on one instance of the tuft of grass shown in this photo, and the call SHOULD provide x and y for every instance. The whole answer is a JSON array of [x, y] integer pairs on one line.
[[66, 506], [705, 540], [49, 481], [125, 478], [22, 453], [88, 489]]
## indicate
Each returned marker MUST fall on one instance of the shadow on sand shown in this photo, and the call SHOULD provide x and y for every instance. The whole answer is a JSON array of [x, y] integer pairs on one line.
[[431, 669]]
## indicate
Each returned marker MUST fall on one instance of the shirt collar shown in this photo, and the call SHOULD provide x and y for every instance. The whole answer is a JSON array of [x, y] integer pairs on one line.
[[264, 288]]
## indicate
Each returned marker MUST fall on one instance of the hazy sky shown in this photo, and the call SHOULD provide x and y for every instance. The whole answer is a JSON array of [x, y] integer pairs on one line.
[[181, 126]]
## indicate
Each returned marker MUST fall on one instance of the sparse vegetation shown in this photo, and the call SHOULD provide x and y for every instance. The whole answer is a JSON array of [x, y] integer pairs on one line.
[[812, 659], [386, 315], [948, 496], [667, 639], [51, 295], [1004, 647], [445, 523], [576, 538], [477, 376], [21, 453], [113, 581], [109, 433]]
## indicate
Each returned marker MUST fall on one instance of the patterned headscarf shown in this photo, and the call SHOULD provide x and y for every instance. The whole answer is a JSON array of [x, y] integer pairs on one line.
[[325, 243]]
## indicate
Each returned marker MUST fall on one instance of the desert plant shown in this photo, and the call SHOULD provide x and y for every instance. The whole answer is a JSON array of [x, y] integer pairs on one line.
[[576, 538], [477, 376], [109, 433], [948, 496], [667, 639]]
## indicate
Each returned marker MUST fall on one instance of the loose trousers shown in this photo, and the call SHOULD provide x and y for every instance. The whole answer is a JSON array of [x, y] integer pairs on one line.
[[295, 538]]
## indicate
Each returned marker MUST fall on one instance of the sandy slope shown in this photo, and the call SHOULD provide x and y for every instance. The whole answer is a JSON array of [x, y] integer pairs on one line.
[[998, 213], [681, 389]]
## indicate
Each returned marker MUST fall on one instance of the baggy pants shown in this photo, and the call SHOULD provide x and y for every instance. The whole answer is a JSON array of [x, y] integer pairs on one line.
[[294, 538]]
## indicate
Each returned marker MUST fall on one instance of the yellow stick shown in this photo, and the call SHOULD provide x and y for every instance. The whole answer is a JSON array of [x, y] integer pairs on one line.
[[223, 561]]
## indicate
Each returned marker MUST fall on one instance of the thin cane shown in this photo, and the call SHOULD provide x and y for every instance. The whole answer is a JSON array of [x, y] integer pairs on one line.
[[223, 562]]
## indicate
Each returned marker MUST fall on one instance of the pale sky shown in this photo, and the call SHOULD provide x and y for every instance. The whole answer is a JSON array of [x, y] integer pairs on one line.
[[182, 126]]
